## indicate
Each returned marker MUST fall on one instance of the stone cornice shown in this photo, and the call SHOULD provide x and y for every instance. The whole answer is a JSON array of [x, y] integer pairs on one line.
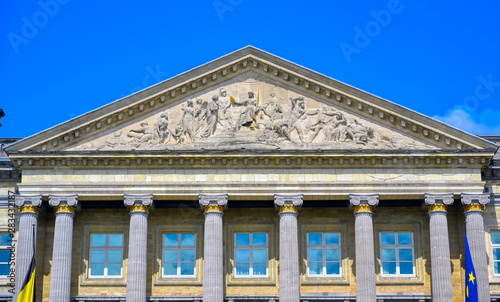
[[248, 158], [239, 62]]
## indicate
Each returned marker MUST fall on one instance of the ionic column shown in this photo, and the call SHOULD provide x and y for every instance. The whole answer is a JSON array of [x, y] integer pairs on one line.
[[363, 206], [29, 208], [213, 275], [139, 206], [474, 205], [288, 208], [442, 286], [60, 275]]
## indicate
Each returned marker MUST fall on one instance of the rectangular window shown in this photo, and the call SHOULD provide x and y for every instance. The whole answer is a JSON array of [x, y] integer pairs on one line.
[[106, 255], [323, 254], [179, 255], [397, 254], [495, 243], [5, 246], [251, 255]]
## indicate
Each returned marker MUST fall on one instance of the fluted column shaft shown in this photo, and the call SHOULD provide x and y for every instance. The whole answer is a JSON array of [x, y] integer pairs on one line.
[[213, 275], [29, 207], [474, 205], [288, 207], [60, 275], [363, 206], [442, 286], [139, 206]]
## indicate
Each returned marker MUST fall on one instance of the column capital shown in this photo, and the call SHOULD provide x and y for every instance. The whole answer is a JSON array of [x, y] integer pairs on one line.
[[213, 202], [475, 202], [138, 203], [288, 203], [363, 202], [438, 202], [29, 203], [63, 203]]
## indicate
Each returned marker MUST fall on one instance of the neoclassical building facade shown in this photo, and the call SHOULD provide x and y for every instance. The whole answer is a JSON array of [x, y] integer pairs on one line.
[[251, 178]]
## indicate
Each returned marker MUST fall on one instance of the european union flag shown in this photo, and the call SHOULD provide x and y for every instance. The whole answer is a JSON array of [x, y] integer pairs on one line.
[[470, 276]]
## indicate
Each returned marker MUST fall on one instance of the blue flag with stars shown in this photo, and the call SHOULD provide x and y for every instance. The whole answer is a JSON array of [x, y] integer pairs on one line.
[[470, 276]]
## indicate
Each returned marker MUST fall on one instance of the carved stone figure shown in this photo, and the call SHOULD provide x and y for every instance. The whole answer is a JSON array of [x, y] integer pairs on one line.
[[298, 114], [335, 129], [201, 113], [142, 134], [212, 116], [225, 103], [114, 140], [358, 133], [248, 113], [188, 121], [325, 116], [178, 134], [161, 134]]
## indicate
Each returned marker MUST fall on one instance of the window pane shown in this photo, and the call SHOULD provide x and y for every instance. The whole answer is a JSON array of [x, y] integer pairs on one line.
[[404, 238], [242, 269], [259, 255], [333, 268], [389, 268], [115, 239], [406, 268], [405, 255], [315, 255], [259, 239], [98, 240], [242, 255], [187, 269], [170, 255], [496, 254], [114, 269], [495, 237], [497, 267], [315, 268], [115, 256], [242, 239], [332, 255], [171, 240], [97, 269], [187, 239], [187, 255], [315, 239], [332, 238], [4, 256], [4, 269], [5, 240], [170, 269], [388, 255], [259, 269], [97, 256], [387, 238]]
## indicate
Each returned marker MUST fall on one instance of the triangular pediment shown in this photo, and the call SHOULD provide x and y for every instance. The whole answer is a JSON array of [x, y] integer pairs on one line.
[[293, 108]]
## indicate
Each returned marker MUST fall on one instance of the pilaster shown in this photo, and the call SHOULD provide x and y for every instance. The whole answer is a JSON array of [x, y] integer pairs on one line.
[[213, 279], [288, 207], [60, 280], [363, 207], [442, 286], [139, 206]]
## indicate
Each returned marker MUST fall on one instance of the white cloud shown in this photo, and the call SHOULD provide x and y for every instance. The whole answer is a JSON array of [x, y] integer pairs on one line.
[[461, 119]]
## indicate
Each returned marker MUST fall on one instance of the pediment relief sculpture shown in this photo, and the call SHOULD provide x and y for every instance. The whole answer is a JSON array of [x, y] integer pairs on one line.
[[251, 115]]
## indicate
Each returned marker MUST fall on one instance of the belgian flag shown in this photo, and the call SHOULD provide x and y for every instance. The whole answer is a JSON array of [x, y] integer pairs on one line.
[[27, 293]]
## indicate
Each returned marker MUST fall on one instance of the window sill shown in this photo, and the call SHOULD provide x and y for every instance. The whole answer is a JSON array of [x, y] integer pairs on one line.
[[104, 281], [399, 280], [266, 280], [326, 280], [192, 280]]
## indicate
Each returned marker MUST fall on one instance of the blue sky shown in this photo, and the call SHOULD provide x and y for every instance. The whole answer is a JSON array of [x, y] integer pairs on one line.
[[60, 59]]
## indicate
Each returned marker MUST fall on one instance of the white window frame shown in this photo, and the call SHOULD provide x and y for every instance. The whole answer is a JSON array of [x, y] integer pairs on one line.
[[324, 247], [106, 249], [9, 249], [178, 248], [493, 247], [251, 247], [396, 247]]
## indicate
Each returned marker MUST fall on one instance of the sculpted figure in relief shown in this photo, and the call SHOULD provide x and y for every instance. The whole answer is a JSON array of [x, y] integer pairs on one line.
[[325, 117], [161, 134], [298, 114], [248, 113], [358, 133], [225, 118], [212, 116], [200, 115], [188, 121], [142, 134]]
